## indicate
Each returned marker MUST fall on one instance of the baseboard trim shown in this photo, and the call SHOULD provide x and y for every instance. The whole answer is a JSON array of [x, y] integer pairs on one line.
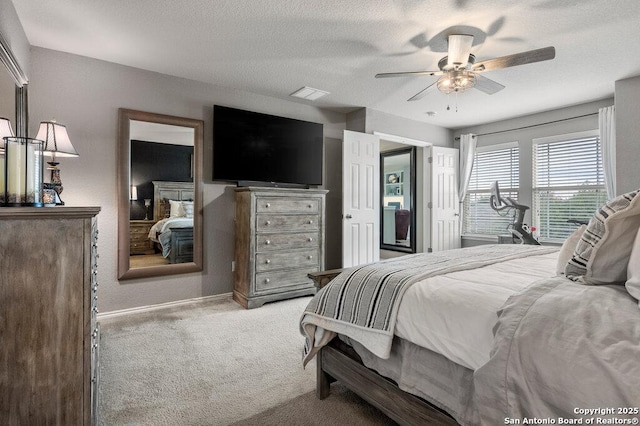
[[177, 303]]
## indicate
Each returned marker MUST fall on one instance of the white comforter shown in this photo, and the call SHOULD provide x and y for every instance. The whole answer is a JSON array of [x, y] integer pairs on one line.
[[165, 224], [454, 314]]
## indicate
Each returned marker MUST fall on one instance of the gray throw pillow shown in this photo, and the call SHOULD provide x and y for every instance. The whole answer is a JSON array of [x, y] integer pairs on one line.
[[602, 254]]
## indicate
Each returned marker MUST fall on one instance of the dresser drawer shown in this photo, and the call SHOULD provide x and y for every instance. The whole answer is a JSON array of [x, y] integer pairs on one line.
[[284, 280], [139, 230], [277, 223], [286, 259], [139, 236], [287, 205], [269, 242]]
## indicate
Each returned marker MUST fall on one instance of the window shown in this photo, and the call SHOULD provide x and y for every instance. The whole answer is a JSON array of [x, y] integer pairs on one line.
[[568, 182], [491, 163]]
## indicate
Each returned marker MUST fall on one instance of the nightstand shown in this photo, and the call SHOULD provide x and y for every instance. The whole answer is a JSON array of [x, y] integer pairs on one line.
[[139, 242], [322, 278]]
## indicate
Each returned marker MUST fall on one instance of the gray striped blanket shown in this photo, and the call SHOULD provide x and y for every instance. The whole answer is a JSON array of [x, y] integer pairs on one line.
[[362, 302]]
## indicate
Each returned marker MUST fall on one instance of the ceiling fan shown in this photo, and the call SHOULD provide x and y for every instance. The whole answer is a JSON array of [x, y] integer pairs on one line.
[[459, 70]]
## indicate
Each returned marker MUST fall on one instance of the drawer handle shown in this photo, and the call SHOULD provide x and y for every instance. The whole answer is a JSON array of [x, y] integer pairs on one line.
[[268, 261], [268, 222], [267, 242], [267, 280], [310, 222], [310, 239], [309, 206], [309, 257], [267, 205]]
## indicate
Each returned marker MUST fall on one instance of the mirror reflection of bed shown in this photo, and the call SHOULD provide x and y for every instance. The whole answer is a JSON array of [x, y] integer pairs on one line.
[[167, 237]]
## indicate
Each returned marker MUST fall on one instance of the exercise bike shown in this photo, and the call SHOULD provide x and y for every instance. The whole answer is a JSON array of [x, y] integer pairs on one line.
[[506, 205]]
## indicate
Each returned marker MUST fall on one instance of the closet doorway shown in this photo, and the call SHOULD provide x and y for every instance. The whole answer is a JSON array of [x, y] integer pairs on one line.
[[397, 197]]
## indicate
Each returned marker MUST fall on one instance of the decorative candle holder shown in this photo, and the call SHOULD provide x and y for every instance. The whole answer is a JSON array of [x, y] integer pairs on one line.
[[21, 181]]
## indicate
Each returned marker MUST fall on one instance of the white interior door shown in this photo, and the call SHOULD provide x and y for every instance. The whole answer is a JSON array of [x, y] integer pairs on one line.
[[445, 208], [360, 198]]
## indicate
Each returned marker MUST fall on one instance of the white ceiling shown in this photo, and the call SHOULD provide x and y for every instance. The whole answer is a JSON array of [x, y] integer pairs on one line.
[[274, 47]]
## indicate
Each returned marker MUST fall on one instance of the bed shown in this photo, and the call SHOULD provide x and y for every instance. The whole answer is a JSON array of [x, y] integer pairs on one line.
[[499, 334], [173, 217]]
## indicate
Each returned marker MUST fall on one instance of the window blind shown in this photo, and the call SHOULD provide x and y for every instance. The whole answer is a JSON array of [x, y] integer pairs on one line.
[[568, 183], [497, 163]]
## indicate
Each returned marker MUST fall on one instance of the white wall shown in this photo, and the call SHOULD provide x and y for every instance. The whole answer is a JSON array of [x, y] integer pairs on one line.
[[627, 134], [85, 94]]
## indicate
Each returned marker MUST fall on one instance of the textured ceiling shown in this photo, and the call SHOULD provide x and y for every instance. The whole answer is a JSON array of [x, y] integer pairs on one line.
[[274, 47]]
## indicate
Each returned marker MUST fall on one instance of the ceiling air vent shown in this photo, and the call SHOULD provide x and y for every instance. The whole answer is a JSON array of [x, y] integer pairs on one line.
[[309, 93]]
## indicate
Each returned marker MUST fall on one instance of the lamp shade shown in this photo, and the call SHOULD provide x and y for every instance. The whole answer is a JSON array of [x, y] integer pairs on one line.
[[133, 195], [56, 139], [5, 129]]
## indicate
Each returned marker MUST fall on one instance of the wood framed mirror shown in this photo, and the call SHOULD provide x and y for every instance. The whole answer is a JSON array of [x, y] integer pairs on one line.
[[13, 90], [159, 194]]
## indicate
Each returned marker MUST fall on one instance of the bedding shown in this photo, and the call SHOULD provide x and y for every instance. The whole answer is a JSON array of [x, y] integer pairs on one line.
[[426, 374], [362, 302], [160, 232], [602, 254], [567, 249], [633, 270], [561, 348], [501, 336], [454, 314]]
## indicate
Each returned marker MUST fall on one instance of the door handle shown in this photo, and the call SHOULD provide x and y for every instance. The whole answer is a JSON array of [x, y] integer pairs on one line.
[[348, 216]]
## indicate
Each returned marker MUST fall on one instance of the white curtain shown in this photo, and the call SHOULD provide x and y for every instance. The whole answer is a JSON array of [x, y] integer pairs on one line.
[[607, 125], [467, 153]]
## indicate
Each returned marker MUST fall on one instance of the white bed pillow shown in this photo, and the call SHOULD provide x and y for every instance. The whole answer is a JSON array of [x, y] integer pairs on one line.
[[176, 209], [633, 270], [188, 209], [602, 254], [567, 249]]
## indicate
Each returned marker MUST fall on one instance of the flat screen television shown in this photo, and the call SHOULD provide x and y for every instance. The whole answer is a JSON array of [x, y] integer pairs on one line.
[[250, 147]]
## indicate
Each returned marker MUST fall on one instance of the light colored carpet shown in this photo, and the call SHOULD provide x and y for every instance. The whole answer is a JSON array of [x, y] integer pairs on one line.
[[215, 363]]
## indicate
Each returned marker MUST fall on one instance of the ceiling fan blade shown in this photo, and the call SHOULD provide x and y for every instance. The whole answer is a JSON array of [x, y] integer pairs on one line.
[[516, 59], [459, 49], [487, 85], [407, 74], [421, 94]]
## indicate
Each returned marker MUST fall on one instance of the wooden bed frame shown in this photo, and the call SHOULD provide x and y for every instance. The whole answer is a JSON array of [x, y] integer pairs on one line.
[[181, 238], [337, 361]]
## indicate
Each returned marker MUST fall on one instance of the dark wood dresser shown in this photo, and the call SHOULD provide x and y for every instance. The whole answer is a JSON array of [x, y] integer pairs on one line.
[[279, 240], [48, 305], [139, 242]]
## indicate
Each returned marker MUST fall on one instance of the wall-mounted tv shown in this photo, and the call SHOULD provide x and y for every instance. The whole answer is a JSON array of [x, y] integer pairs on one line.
[[250, 147]]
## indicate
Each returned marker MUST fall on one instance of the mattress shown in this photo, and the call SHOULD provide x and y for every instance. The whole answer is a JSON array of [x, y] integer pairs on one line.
[[454, 314]]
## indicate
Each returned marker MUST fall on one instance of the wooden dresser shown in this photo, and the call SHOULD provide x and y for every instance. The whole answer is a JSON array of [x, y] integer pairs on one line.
[[139, 242], [48, 305], [279, 240]]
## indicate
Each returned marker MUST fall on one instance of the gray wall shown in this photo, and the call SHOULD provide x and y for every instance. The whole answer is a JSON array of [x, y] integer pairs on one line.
[[85, 94], [14, 35], [382, 122], [627, 134]]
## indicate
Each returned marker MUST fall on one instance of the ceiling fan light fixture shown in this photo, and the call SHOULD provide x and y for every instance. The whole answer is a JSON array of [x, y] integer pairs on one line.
[[456, 81], [459, 48]]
